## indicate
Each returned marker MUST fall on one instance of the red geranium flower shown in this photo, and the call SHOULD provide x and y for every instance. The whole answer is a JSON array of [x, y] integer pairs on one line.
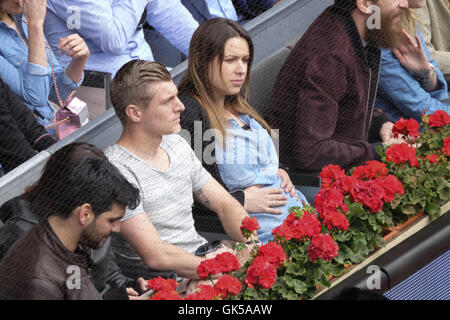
[[329, 199], [166, 295], [227, 262], [322, 246], [248, 226], [283, 231], [369, 194], [329, 174], [438, 119], [372, 170], [273, 252], [207, 268], [159, 283], [333, 219], [432, 158], [408, 128], [345, 183], [204, 292], [261, 272], [228, 285], [402, 153], [446, 148], [391, 186]]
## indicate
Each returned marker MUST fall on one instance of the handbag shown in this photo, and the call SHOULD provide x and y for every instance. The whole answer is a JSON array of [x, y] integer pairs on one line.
[[73, 113], [71, 117]]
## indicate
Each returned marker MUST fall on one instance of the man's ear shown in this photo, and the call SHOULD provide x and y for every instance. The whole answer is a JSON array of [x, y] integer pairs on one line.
[[85, 214], [134, 113], [364, 6]]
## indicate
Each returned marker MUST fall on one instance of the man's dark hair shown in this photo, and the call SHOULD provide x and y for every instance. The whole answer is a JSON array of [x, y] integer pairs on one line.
[[69, 181]]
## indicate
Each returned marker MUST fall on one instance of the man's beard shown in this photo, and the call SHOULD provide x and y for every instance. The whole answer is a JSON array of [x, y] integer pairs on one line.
[[92, 239], [389, 36]]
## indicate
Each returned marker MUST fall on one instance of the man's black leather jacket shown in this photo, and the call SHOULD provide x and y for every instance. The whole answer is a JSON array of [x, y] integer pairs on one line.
[[107, 277]]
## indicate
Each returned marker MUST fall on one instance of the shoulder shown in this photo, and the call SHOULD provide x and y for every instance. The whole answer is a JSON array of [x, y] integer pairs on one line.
[[175, 142]]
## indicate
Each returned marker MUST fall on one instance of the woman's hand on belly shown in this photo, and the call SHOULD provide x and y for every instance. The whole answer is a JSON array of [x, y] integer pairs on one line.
[[287, 184], [258, 199]]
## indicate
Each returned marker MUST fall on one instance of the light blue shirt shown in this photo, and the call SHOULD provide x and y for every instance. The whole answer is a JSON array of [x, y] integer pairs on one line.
[[250, 159], [401, 95], [222, 9], [173, 21], [33, 83], [109, 28]]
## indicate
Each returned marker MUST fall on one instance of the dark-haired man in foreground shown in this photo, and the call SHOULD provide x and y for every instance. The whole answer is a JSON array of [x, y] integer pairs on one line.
[[84, 205]]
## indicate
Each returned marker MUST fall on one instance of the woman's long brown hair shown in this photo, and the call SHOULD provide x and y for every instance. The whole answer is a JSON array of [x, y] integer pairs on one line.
[[207, 43]]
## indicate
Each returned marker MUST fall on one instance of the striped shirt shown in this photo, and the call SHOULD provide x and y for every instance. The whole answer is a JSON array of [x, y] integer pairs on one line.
[[166, 196]]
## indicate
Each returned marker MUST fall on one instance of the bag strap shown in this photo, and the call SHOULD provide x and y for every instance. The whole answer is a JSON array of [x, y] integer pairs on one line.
[[58, 95]]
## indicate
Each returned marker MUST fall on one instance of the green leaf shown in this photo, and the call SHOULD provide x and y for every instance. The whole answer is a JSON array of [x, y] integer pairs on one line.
[[380, 242], [408, 209], [336, 269], [433, 209], [295, 269], [299, 286]]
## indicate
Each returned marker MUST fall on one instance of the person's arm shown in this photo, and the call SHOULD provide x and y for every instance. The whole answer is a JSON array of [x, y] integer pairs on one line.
[[42, 289], [75, 47], [173, 21], [213, 196], [413, 57], [21, 135], [109, 24], [34, 11], [32, 86], [406, 93], [157, 254]]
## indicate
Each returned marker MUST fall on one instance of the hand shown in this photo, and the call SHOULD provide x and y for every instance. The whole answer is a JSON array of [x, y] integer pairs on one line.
[[287, 184], [132, 294], [258, 199], [386, 133], [142, 284], [74, 46], [412, 56], [34, 11]]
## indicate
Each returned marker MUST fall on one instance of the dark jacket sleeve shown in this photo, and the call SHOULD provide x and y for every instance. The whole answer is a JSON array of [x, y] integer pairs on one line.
[[21, 135], [305, 108]]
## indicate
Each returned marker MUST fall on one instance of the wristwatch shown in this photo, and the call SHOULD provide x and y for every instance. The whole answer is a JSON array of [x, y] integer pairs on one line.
[[422, 79]]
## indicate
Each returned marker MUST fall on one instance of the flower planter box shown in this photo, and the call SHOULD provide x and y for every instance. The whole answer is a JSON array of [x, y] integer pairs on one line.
[[392, 238]]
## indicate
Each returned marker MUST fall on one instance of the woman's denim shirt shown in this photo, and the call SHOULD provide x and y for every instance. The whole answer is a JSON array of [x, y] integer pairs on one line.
[[401, 95], [250, 159], [33, 83]]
